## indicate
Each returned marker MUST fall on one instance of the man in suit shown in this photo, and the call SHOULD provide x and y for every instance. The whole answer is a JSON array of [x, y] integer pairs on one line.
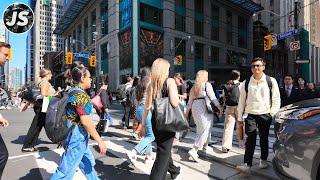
[[288, 93]]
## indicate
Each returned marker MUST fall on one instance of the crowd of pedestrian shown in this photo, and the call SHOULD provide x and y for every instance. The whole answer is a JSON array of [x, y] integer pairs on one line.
[[249, 105]]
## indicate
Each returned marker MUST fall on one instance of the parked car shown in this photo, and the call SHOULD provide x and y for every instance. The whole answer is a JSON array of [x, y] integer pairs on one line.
[[297, 151]]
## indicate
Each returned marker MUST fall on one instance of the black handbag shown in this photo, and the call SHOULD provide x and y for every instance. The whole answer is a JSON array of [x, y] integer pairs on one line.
[[167, 117]]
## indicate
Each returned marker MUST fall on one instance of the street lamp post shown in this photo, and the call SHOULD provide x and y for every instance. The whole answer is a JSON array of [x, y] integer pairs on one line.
[[265, 10]]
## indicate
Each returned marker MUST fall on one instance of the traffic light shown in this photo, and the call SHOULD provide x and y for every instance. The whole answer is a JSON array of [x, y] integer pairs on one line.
[[179, 59], [267, 42], [69, 57], [92, 61]]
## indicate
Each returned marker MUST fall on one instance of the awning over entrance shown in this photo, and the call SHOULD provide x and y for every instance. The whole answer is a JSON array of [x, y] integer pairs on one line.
[[247, 5], [74, 7]]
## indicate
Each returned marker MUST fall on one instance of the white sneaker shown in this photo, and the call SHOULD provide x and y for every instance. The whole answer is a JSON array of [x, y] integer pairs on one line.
[[244, 168], [194, 155], [263, 164], [132, 157]]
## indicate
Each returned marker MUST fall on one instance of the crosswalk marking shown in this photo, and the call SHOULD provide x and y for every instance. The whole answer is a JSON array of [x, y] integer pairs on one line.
[[47, 161]]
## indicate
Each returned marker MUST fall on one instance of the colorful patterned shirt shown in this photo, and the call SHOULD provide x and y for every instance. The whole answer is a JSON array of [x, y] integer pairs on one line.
[[78, 105]]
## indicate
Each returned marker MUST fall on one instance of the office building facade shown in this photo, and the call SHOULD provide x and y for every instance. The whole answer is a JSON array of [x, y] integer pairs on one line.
[[127, 35], [41, 38]]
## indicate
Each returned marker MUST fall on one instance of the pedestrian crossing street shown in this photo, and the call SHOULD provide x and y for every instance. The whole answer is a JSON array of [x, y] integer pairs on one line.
[[47, 161], [217, 135]]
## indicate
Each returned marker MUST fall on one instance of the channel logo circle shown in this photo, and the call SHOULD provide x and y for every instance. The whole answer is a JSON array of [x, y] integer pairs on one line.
[[18, 18]]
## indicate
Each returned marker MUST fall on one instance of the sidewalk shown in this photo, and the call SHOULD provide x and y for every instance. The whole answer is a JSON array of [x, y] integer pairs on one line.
[[233, 158]]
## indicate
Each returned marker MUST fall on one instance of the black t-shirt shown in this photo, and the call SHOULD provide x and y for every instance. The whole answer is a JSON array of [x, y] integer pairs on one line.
[[182, 89]]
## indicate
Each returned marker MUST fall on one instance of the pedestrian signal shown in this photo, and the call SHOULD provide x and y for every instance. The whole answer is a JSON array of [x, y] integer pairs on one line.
[[267, 42], [179, 59], [69, 57], [92, 61]]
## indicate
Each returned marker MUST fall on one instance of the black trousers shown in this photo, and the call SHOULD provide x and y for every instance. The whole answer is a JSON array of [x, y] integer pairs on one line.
[[276, 129], [252, 123], [125, 118], [163, 161], [36, 126], [3, 155]]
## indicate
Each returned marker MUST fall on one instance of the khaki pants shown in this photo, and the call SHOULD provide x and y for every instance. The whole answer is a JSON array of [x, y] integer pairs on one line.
[[229, 122]]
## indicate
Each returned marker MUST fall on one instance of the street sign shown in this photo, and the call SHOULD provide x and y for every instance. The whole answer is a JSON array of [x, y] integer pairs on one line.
[[274, 40], [295, 45], [306, 61], [81, 55], [284, 35]]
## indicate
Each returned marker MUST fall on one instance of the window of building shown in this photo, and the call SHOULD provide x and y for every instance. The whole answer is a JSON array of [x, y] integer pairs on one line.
[[215, 22], [85, 32], [180, 15], [198, 51], [93, 25], [229, 27], [104, 17], [214, 55], [271, 2], [198, 28], [181, 3], [125, 13], [151, 14], [243, 32], [198, 6], [180, 22]]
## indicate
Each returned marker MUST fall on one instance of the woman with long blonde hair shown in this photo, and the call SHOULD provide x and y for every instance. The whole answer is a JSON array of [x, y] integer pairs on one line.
[[161, 86], [198, 105]]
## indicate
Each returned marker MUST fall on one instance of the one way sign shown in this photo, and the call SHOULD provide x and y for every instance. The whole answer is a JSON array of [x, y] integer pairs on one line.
[[295, 45]]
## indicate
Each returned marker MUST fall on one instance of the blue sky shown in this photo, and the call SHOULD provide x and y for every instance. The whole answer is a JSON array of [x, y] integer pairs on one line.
[[17, 41]]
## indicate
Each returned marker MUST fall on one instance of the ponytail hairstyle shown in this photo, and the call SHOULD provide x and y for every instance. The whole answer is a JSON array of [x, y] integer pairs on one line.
[[44, 72], [77, 73]]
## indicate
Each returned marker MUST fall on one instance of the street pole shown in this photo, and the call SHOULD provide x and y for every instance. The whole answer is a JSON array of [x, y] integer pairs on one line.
[[296, 26]]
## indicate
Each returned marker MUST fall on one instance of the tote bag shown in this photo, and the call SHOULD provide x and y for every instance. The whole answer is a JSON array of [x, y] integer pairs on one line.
[[167, 117], [96, 101]]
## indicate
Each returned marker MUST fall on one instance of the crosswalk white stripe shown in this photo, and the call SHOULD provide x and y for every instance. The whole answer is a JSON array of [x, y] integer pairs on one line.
[[47, 161]]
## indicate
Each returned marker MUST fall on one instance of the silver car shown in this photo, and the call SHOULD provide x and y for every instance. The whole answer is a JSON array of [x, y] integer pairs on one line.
[[297, 151]]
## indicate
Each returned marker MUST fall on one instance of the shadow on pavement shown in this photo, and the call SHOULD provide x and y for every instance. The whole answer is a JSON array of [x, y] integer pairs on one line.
[[117, 172], [21, 138], [49, 155], [34, 174]]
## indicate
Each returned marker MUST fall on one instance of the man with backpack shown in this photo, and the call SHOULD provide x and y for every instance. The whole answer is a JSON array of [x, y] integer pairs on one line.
[[231, 99], [123, 94], [259, 101]]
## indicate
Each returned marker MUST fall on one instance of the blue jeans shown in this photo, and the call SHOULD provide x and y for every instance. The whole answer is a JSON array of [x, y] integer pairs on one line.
[[145, 145], [77, 153]]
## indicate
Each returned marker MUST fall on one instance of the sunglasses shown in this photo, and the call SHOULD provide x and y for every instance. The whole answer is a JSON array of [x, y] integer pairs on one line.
[[258, 65]]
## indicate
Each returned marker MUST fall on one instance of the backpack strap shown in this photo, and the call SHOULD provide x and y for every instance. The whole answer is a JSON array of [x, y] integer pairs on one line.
[[270, 87]]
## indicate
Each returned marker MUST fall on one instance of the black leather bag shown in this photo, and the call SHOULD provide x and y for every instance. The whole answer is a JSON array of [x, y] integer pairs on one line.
[[168, 118]]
